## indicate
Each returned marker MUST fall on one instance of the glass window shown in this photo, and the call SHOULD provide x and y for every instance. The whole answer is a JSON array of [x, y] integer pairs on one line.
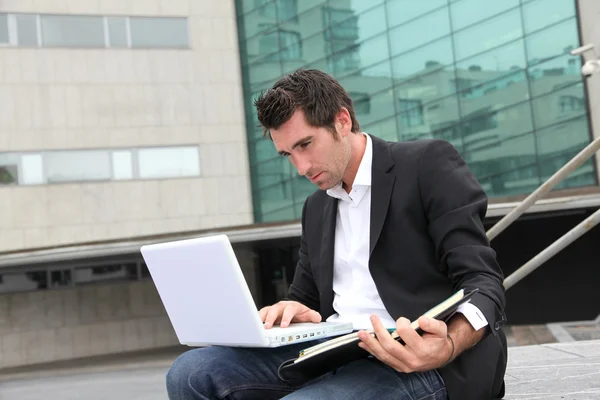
[[104, 273], [424, 59], [60, 278], [382, 106], [9, 169], [541, 13], [345, 60], [168, 162], [4, 29], [159, 32], [554, 74], [72, 31], [400, 11], [558, 143], [486, 36], [560, 105], [355, 7], [552, 42], [493, 64], [505, 167], [420, 31], [281, 45], [410, 112], [467, 12], [27, 34], [33, 170], [117, 31], [287, 9], [122, 165], [23, 281], [385, 129], [77, 166], [361, 103]]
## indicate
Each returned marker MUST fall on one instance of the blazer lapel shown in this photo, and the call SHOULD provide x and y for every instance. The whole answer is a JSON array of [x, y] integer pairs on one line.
[[382, 184], [327, 248]]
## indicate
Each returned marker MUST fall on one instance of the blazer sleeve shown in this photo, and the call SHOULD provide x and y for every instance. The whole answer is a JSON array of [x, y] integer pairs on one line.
[[455, 205], [303, 288]]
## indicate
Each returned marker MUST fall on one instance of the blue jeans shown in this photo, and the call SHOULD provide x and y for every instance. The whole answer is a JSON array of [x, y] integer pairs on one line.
[[243, 373]]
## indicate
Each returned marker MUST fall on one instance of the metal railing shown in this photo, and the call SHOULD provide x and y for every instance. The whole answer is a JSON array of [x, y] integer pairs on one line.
[[539, 193]]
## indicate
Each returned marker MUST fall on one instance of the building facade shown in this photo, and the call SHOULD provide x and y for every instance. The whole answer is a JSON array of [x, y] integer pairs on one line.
[[124, 123]]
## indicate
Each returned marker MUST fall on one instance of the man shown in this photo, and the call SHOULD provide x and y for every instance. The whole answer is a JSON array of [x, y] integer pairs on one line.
[[394, 229]]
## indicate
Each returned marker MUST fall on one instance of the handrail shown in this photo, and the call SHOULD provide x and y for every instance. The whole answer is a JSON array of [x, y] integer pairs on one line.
[[546, 187], [564, 240], [551, 250]]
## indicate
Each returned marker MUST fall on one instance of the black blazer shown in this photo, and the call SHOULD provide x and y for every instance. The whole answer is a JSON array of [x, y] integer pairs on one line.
[[427, 241]]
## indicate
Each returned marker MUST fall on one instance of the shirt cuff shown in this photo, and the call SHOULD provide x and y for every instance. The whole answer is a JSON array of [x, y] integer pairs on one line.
[[473, 315]]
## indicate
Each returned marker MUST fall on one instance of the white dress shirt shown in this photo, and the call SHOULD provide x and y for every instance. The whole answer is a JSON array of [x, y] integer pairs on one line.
[[355, 294]]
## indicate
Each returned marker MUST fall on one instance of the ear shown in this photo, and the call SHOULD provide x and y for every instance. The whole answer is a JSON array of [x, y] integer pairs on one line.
[[343, 122]]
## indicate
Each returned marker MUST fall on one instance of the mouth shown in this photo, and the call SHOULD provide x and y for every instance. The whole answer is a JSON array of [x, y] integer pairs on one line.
[[316, 177]]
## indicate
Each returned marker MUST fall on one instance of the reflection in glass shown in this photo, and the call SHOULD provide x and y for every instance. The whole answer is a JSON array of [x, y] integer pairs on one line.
[[401, 11], [4, 29], [539, 14], [105, 273], [168, 162], [468, 12], [122, 164], [552, 42], [33, 170], [23, 281], [9, 169], [72, 31], [423, 60], [559, 105], [419, 32], [494, 32], [558, 143], [60, 278], [554, 74], [159, 32], [27, 34], [471, 72], [117, 31], [77, 166]]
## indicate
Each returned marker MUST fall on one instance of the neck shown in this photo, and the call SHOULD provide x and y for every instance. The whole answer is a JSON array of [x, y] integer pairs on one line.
[[358, 144]]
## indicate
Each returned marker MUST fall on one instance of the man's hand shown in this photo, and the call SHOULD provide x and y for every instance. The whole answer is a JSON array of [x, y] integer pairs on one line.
[[421, 353], [285, 312]]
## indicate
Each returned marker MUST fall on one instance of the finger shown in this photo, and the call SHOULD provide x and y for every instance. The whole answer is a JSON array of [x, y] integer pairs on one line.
[[370, 344], [289, 312], [433, 326], [389, 344], [407, 333], [262, 313], [273, 315]]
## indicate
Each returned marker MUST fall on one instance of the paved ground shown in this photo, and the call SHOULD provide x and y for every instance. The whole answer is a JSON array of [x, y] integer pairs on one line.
[[556, 361], [554, 371]]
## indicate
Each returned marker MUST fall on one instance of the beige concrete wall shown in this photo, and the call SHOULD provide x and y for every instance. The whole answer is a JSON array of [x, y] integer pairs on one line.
[[589, 14], [121, 98], [99, 319], [57, 325]]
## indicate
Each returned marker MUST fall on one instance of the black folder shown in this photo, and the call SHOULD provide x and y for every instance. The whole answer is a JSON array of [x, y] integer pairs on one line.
[[327, 356]]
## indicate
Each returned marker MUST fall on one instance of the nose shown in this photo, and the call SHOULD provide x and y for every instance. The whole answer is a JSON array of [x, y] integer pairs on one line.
[[302, 165]]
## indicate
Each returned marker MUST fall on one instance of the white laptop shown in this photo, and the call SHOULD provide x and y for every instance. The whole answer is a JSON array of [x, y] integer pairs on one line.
[[208, 301]]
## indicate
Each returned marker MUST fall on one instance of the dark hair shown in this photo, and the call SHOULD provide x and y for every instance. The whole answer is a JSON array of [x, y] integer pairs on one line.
[[314, 92]]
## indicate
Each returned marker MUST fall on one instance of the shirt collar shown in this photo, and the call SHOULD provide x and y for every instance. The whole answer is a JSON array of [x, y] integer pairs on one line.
[[363, 175]]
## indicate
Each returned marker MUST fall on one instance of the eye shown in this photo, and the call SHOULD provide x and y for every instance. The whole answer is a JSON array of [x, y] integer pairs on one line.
[[304, 145]]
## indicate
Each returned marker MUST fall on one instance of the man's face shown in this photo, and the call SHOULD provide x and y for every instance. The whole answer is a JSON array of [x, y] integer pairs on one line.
[[314, 152]]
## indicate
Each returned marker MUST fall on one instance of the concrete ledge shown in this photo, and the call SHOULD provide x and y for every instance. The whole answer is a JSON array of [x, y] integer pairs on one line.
[[554, 371]]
